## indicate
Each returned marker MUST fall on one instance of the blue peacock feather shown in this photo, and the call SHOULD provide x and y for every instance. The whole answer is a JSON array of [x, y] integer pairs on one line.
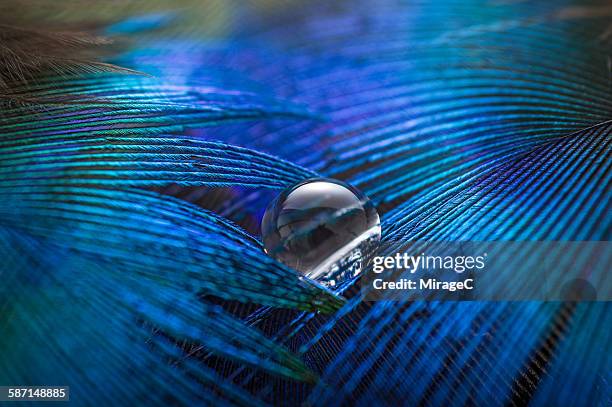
[[132, 267]]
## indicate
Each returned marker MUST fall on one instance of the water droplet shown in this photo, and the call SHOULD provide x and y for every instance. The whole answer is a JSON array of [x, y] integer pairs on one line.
[[323, 228]]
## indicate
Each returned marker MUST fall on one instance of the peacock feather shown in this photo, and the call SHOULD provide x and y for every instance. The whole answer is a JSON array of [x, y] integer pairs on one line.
[[140, 143]]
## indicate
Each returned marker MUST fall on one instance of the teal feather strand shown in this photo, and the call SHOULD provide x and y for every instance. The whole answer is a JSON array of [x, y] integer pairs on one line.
[[100, 320], [142, 161]]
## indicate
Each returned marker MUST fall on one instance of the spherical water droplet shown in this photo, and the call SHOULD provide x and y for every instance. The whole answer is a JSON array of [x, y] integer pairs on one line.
[[323, 228]]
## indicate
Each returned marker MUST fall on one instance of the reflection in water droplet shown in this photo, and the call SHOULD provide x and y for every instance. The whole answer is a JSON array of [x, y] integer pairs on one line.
[[323, 228]]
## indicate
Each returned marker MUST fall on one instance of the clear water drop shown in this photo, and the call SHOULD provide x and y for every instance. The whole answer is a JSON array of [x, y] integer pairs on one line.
[[323, 228]]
